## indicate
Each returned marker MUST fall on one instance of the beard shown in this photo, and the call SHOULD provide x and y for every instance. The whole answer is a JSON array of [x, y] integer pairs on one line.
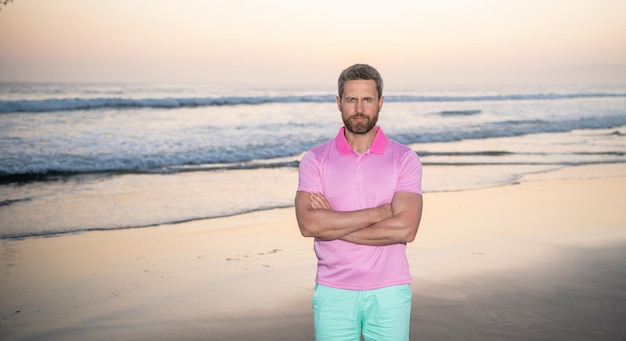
[[361, 127]]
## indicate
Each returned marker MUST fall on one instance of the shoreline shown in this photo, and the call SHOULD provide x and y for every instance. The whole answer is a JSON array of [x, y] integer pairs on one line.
[[487, 264], [440, 172]]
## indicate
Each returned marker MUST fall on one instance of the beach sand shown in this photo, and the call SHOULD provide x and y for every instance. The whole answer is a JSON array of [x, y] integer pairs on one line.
[[539, 260]]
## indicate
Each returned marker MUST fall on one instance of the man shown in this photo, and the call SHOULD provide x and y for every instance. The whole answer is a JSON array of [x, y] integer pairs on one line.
[[359, 196]]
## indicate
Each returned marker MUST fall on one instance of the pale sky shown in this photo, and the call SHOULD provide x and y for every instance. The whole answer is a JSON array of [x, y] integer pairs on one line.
[[290, 41]]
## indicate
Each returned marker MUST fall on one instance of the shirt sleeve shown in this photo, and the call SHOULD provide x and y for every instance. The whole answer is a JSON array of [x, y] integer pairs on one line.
[[410, 178], [309, 174]]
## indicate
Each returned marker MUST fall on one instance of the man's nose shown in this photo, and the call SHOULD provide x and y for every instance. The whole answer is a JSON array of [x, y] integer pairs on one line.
[[360, 107]]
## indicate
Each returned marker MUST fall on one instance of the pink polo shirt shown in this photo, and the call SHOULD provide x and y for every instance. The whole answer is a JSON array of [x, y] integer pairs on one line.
[[352, 181]]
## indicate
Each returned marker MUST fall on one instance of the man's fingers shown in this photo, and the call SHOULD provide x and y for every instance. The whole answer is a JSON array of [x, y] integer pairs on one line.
[[318, 201]]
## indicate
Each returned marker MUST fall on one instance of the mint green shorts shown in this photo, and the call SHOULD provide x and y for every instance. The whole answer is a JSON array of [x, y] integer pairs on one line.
[[379, 314]]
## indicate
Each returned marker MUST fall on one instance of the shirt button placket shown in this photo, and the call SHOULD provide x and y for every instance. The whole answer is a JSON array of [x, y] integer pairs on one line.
[[358, 177]]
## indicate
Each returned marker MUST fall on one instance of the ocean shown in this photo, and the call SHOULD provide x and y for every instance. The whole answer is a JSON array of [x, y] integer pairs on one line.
[[80, 157]]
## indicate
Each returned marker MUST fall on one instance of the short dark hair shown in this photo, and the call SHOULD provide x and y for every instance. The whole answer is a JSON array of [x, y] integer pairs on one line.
[[360, 72]]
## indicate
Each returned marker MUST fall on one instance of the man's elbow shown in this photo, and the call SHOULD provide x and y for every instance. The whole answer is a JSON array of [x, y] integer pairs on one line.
[[409, 235], [306, 232], [409, 238], [307, 229]]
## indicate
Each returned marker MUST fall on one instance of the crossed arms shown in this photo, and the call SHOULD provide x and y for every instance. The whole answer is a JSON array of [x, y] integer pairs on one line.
[[383, 225]]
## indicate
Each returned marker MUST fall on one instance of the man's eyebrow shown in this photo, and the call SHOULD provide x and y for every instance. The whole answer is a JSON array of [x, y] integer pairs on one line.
[[352, 97]]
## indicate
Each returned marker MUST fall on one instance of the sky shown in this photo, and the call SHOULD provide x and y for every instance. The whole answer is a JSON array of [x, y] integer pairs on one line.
[[290, 41]]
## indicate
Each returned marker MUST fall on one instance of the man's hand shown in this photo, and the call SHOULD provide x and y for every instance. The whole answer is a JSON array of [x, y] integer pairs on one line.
[[318, 201]]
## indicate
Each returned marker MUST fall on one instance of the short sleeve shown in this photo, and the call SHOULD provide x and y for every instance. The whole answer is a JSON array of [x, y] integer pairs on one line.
[[309, 174], [410, 176]]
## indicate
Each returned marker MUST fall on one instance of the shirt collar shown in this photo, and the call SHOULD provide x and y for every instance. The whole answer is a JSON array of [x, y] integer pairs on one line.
[[377, 147]]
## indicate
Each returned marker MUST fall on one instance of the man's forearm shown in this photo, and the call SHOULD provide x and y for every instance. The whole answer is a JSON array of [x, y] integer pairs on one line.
[[386, 232], [400, 228], [317, 219]]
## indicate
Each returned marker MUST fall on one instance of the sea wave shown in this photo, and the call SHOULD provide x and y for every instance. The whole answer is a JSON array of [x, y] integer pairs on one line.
[[47, 172], [460, 112], [40, 167], [499, 157], [509, 128], [72, 104]]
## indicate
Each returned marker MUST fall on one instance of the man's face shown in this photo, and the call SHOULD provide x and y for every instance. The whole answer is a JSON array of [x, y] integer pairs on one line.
[[359, 106]]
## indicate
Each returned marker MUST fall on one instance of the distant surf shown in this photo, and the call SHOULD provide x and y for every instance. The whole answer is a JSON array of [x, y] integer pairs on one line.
[[71, 104]]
